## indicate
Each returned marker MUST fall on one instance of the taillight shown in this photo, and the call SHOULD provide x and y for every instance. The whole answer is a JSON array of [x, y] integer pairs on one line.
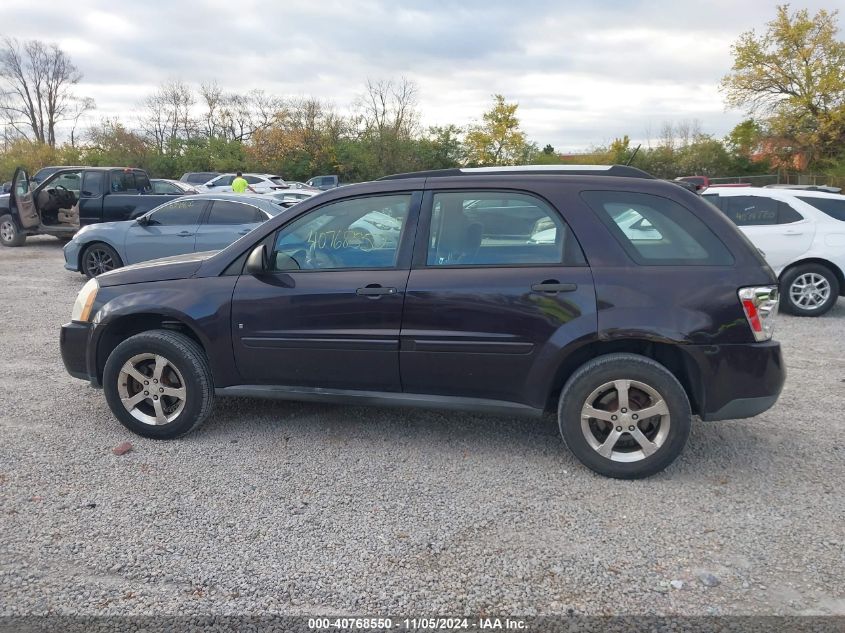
[[760, 305]]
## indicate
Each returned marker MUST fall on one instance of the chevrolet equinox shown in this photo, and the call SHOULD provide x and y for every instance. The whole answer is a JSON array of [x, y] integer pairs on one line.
[[625, 304]]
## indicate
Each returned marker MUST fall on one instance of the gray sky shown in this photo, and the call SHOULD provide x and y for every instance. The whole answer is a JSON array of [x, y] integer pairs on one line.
[[582, 72]]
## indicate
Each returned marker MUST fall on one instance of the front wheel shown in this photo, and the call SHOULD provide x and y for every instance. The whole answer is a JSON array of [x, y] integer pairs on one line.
[[624, 416], [158, 384], [10, 235], [808, 290], [99, 258]]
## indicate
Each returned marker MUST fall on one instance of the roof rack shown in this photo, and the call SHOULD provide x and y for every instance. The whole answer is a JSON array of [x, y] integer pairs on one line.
[[569, 170]]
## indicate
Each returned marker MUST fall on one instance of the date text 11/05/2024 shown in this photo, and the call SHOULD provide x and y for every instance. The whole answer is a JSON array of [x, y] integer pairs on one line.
[[414, 624]]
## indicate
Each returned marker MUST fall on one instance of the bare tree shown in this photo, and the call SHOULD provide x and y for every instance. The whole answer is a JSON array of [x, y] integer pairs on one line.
[[36, 82], [390, 106], [168, 115], [237, 117]]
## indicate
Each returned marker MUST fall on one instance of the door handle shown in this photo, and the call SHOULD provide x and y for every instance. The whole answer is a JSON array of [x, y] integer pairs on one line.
[[793, 232], [552, 286], [244, 232], [375, 291], [184, 234]]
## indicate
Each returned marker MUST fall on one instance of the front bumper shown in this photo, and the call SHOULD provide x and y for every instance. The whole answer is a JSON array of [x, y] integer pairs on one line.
[[736, 381], [71, 252], [74, 342]]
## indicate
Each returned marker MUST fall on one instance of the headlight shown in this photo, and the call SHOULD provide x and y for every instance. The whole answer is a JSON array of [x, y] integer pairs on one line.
[[85, 301]]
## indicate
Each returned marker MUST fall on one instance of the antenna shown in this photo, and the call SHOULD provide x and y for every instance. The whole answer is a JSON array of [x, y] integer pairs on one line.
[[634, 154]]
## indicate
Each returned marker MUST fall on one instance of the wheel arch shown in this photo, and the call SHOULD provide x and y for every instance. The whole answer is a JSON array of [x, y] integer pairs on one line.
[[121, 327], [820, 261], [83, 248], [669, 355]]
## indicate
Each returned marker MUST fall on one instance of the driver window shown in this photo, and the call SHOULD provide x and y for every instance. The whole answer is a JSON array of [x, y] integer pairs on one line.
[[182, 212], [357, 233], [22, 184]]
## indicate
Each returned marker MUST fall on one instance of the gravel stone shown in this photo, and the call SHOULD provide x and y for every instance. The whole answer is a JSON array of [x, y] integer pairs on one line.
[[301, 508]]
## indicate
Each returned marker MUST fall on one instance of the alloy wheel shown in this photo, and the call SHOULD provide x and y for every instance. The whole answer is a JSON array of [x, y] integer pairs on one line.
[[809, 291], [151, 389], [625, 420], [98, 261]]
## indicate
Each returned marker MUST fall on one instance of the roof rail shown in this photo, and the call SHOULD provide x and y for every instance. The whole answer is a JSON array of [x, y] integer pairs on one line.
[[569, 170]]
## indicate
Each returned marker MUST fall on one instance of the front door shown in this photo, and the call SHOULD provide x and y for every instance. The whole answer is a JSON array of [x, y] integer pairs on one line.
[[499, 286], [24, 203], [328, 311], [171, 229]]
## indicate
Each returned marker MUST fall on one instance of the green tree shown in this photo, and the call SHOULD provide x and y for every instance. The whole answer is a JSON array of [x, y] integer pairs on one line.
[[794, 73], [499, 139]]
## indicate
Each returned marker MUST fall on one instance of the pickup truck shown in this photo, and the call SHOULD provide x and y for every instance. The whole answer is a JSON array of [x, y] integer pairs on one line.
[[71, 198]]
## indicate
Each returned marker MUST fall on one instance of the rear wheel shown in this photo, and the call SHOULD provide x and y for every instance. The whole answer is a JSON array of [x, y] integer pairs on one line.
[[809, 290], [10, 235], [99, 258], [624, 416], [158, 384]]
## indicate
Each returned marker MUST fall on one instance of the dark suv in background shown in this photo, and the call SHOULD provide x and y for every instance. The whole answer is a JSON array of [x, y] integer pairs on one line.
[[624, 303]]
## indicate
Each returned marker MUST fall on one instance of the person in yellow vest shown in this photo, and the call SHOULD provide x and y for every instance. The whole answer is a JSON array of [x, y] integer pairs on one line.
[[239, 184]]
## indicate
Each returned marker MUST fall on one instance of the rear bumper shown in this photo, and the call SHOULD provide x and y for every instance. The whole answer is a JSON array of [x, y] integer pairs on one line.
[[736, 381], [74, 342]]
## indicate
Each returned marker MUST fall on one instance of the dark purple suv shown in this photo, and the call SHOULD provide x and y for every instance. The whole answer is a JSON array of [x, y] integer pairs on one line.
[[623, 303]]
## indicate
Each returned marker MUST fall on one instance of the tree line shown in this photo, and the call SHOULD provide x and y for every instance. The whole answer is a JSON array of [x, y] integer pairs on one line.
[[790, 79]]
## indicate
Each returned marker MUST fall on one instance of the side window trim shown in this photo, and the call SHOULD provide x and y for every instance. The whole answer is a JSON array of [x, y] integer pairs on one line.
[[406, 243], [421, 245]]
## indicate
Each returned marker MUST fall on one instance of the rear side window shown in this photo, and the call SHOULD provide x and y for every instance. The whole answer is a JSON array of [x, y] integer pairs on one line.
[[92, 184], [227, 212], [489, 228], [657, 231], [829, 206], [253, 180], [758, 211]]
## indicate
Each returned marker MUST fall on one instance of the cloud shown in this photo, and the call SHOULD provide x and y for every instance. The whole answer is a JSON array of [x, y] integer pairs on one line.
[[582, 72]]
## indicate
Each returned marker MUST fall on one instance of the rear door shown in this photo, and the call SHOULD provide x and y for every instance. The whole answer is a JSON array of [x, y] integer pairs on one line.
[[91, 197], [24, 202], [773, 226], [498, 288], [226, 222], [171, 230], [327, 313]]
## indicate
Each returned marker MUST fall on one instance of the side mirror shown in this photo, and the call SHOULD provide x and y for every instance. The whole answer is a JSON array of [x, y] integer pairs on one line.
[[143, 220], [256, 262], [210, 184]]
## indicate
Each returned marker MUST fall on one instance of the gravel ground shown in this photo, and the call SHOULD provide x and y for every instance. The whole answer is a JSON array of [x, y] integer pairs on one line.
[[309, 509]]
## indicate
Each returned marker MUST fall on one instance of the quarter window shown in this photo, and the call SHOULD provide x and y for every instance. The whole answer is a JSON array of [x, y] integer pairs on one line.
[[178, 213], [227, 212], [829, 206], [657, 231], [482, 228], [356, 233]]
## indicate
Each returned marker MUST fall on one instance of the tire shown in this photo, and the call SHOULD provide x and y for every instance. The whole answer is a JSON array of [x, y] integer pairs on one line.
[[186, 368], [10, 234], [98, 258], [808, 290], [648, 383]]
